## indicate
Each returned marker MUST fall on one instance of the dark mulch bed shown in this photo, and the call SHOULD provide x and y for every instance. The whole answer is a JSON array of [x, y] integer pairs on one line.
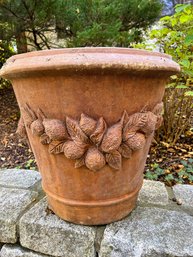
[[169, 164], [13, 151]]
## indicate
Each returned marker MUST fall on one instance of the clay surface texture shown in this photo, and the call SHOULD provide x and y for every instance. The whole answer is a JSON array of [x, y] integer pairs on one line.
[[92, 143], [89, 115]]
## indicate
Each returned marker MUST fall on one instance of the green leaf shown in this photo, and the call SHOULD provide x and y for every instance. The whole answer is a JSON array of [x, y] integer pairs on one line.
[[174, 22], [181, 173], [188, 72], [184, 162], [185, 63], [189, 93], [169, 177], [180, 7], [159, 171], [188, 39], [155, 165], [173, 77], [166, 18], [171, 85], [150, 175], [181, 86], [190, 160], [184, 18], [164, 31]]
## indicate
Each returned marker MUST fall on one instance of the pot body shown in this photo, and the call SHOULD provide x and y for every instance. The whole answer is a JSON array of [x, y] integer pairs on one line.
[[82, 195]]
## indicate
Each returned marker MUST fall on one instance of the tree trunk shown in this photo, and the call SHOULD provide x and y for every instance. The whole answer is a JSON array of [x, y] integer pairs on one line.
[[21, 42]]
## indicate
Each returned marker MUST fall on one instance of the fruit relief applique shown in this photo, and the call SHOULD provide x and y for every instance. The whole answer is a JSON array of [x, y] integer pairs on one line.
[[92, 142]]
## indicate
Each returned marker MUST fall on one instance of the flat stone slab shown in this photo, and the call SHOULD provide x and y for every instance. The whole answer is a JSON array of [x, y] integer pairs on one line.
[[184, 195], [48, 234], [13, 202], [18, 251], [153, 192], [17, 178], [149, 232]]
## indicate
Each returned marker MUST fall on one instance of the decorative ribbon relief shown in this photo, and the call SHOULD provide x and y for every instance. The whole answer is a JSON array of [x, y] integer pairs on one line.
[[92, 143]]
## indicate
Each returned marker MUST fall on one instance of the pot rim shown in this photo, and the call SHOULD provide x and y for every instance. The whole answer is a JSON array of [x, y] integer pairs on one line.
[[89, 59]]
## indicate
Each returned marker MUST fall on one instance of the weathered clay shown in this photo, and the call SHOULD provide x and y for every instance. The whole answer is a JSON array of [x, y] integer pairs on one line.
[[72, 150], [21, 130], [94, 160], [37, 128], [93, 141], [107, 99], [87, 124]]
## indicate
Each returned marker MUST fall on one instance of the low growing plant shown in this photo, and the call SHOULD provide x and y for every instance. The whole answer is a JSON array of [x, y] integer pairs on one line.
[[181, 173]]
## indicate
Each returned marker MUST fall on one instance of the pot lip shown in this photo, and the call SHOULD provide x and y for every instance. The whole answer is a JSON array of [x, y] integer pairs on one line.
[[88, 59], [89, 50]]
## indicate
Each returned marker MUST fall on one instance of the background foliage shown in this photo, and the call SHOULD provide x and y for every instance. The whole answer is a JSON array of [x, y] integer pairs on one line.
[[5, 52], [27, 22], [27, 25], [78, 23], [105, 22], [36, 25], [174, 36]]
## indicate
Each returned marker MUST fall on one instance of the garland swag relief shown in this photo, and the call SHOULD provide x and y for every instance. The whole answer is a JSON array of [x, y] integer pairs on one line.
[[89, 142]]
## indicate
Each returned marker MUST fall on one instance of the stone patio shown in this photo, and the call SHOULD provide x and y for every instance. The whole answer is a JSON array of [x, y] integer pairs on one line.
[[160, 226]]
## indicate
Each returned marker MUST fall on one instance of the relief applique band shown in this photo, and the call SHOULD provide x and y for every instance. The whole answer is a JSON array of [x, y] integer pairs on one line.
[[91, 142]]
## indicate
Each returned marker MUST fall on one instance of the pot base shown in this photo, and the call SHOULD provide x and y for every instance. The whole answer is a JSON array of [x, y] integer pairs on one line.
[[95, 212]]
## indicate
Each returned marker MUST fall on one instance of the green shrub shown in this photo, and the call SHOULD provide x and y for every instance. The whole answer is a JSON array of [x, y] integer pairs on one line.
[[5, 53], [77, 23], [106, 22], [174, 36]]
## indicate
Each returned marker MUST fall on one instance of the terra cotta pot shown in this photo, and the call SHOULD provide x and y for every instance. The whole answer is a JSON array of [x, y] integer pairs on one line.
[[90, 115]]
